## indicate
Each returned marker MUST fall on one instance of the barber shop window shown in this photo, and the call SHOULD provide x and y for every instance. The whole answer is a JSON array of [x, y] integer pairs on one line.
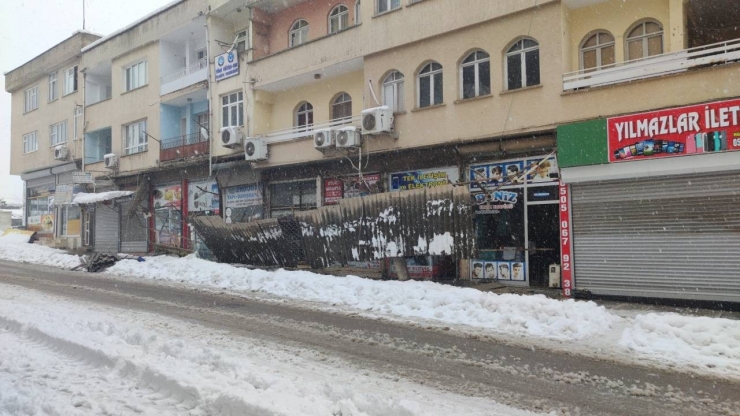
[[287, 197]]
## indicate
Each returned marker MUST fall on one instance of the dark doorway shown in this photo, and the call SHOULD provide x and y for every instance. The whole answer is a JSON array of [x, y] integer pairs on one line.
[[544, 247]]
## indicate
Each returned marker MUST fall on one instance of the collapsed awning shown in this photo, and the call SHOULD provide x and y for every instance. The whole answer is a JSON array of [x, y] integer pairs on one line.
[[85, 198]]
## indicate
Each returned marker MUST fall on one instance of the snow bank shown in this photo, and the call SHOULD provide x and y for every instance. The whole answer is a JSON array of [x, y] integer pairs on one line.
[[85, 198], [534, 316], [35, 254], [713, 343]]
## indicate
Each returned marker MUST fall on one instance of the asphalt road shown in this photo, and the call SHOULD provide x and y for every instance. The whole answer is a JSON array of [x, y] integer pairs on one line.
[[528, 378]]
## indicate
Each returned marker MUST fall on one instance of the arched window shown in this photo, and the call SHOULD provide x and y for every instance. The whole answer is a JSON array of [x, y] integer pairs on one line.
[[393, 91], [597, 51], [523, 64], [304, 116], [358, 19], [430, 85], [338, 18], [475, 75], [644, 40], [341, 107], [298, 33]]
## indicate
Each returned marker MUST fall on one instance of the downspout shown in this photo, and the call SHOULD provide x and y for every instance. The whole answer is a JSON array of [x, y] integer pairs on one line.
[[210, 92], [84, 114]]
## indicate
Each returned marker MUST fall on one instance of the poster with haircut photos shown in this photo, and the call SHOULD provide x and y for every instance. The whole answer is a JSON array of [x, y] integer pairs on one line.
[[518, 271], [503, 270], [476, 269], [489, 270], [513, 172]]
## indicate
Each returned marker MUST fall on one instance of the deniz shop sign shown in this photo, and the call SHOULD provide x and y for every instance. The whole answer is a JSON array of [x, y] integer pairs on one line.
[[227, 65], [704, 128], [496, 201]]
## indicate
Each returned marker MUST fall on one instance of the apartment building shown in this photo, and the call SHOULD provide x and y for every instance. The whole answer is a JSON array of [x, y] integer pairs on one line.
[[46, 126], [259, 110]]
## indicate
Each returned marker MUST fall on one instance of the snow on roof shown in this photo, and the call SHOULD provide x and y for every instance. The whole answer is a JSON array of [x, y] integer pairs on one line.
[[14, 213], [131, 26], [85, 198]]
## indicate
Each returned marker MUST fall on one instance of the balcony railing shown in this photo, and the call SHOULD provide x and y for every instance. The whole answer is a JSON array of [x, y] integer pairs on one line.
[[296, 133], [182, 147], [668, 63], [189, 75]]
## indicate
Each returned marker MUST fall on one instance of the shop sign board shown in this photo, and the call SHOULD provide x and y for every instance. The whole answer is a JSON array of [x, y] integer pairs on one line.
[[510, 173], [512, 271], [227, 65], [703, 128], [419, 179], [168, 196], [350, 187], [566, 255], [243, 196], [418, 268], [203, 196], [82, 177], [63, 194]]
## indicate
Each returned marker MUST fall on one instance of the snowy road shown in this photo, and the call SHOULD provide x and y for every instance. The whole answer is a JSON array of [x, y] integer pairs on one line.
[[393, 357]]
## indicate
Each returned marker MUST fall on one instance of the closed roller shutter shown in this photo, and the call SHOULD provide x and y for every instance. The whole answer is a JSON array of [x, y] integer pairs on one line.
[[664, 237], [134, 229], [106, 229]]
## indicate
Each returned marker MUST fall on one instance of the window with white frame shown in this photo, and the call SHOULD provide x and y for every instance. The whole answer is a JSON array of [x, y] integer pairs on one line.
[[338, 18], [241, 41], [382, 6], [341, 107], [58, 133], [475, 75], [597, 51], [135, 76], [523, 64], [30, 143], [53, 88], [232, 109], [393, 91], [70, 80], [645, 40], [298, 33], [304, 116], [358, 16], [77, 121], [429, 86], [135, 138], [31, 101]]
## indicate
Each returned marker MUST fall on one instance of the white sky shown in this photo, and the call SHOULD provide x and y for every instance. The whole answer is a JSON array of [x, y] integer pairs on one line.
[[30, 27]]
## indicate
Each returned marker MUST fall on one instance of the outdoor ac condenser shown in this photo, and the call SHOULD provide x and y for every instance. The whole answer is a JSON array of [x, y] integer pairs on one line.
[[554, 275]]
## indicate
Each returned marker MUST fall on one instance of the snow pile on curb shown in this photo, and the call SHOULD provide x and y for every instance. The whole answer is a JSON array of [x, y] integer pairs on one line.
[[686, 340], [533, 316], [36, 254]]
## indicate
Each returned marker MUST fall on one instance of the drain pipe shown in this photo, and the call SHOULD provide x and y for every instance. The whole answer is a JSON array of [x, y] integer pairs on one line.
[[210, 92]]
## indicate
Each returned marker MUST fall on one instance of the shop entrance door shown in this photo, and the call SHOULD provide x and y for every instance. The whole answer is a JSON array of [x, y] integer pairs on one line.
[[544, 248]]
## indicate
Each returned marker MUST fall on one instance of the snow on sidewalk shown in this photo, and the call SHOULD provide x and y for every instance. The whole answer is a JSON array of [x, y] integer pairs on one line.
[[59, 357], [14, 250], [532, 316], [708, 346]]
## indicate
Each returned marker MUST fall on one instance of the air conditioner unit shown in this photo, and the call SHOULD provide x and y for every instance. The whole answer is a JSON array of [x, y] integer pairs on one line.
[[348, 137], [255, 149], [231, 137], [377, 120], [323, 139], [111, 160], [60, 152]]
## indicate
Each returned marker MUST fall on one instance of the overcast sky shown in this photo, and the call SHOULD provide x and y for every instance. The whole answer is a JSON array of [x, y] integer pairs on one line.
[[30, 27]]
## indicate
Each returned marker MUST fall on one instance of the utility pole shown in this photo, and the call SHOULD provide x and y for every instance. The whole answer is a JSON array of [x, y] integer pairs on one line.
[[83, 14]]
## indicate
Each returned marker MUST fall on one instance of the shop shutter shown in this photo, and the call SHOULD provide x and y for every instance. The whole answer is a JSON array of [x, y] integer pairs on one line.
[[664, 237], [134, 228], [107, 229]]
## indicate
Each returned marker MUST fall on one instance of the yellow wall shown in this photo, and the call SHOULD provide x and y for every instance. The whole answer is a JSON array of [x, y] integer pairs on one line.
[[40, 119], [616, 17]]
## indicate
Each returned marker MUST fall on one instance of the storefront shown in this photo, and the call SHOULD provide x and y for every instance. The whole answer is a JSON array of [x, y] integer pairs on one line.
[[168, 215], [295, 195], [656, 202], [203, 200], [516, 221]]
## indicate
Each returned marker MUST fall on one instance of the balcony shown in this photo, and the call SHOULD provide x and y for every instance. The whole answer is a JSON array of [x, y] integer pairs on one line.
[[184, 147], [303, 132], [669, 63], [184, 77]]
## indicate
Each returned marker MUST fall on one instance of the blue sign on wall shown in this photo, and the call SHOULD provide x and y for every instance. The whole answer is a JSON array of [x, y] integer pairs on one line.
[[227, 65]]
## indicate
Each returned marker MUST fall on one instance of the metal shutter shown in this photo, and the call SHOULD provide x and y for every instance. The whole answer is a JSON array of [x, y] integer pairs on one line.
[[665, 237], [106, 229], [133, 229]]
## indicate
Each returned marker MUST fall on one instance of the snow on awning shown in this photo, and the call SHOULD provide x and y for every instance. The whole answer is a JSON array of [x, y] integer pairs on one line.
[[85, 198]]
